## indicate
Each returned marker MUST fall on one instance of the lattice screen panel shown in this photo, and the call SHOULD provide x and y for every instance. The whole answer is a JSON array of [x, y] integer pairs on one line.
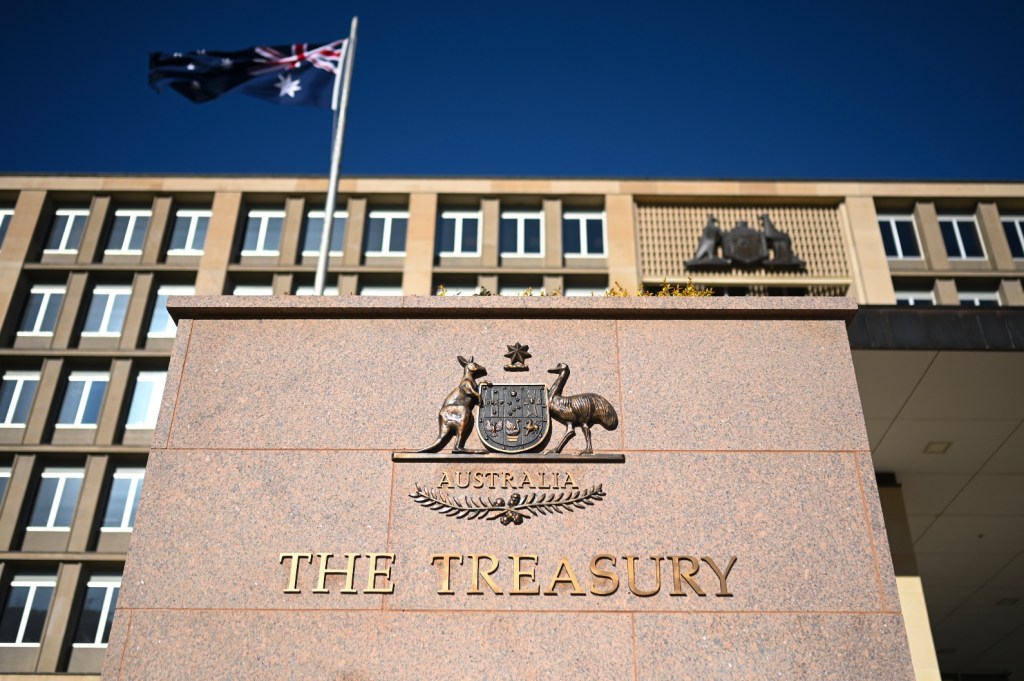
[[669, 236]]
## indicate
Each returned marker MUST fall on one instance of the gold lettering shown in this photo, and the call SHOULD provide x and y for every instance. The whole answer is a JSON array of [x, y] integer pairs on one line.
[[610, 575], [486, 574], [518, 572], [631, 571], [722, 576], [569, 481], [445, 481], [507, 479], [678, 576], [527, 480], [478, 480], [459, 481], [349, 571], [375, 572], [446, 569], [563, 566], [490, 479], [293, 577]]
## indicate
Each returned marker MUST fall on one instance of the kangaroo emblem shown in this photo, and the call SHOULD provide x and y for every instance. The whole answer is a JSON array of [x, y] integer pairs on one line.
[[455, 419]]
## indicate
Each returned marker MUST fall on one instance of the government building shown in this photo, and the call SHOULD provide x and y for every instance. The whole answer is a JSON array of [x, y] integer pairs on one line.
[[87, 264]]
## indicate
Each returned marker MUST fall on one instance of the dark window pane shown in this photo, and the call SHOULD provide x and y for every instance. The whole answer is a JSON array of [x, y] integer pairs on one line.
[[32, 307], [595, 237], [97, 308], [161, 321], [398, 229], [969, 235], [138, 232], [116, 503], [50, 313], [1012, 238], [13, 610], [314, 230], [134, 501], [6, 395], [949, 238], [179, 237], [28, 392], [68, 500], [924, 302], [72, 398], [571, 236], [44, 502], [37, 617], [4, 479], [110, 615], [470, 234], [117, 312], [5, 220], [199, 235], [988, 303], [531, 238], [446, 235], [118, 232], [508, 235], [89, 620], [375, 235], [272, 239], [57, 232], [908, 240], [337, 235], [887, 240], [94, 402], [252, 234]]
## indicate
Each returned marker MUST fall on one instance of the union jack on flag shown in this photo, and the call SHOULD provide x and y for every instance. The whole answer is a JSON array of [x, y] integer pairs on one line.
[[301, 73]]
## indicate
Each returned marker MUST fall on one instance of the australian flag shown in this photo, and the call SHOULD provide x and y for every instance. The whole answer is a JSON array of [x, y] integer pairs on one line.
[[283, 74]]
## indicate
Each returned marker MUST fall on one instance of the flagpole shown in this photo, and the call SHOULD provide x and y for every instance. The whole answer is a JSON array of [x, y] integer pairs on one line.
[[336, 147]]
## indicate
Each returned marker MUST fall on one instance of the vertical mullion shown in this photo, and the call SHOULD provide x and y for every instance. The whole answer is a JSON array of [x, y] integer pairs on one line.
[[584, 246], [385, 246], [57, 494], [1020, 233], [458, 235], [82, 401], [896, 239], [520, 235], [959, 238], [107, 310], [42, 313], [25, 613], [14, 400], [191, 236], [67, 231], [102, 624], [133, 487]]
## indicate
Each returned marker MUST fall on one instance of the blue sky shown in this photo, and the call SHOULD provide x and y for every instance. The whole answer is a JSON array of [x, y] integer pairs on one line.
[[873, 90]]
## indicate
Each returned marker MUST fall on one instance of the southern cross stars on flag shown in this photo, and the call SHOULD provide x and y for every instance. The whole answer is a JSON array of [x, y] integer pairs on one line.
[[283, 74]]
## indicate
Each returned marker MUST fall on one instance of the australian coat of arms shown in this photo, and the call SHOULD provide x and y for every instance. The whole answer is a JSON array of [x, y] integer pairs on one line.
[[516, 417]]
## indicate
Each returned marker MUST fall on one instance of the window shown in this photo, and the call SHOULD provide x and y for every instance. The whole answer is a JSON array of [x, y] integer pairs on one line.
[[149, 390], [960, 234], [56, 499], [28, 601], [458, 233], [899, 236], [246, 290], [66, 232], [978, 298], [6, 214], [583, 234], [521, 233], [915, 298], [5, 479], [83, 399], [581, 290], [263, 232], [40, 316], [385, 232], [189, 233], [161, 325], [16, 394], [1014, 228], [129, 231], [380, 290], [106, 311], [123, 500], [97, 611], [308, 291], [315, 230]]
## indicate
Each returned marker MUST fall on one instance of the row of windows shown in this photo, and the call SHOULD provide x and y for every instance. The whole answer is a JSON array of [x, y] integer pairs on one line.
[[966, 298], [105, 316], [521, 232], [959, 235], [30, 595], [82, 400]]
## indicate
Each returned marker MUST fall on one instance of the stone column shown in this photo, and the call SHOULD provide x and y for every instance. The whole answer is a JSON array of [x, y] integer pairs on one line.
[[623, 262], [220, 239], [418, 268], [872, 280]]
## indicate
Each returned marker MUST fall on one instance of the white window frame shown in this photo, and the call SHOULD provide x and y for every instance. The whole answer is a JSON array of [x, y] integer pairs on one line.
[[252, 290], [974, 296], [385, 243], [8, 215], [264, 216], [169, 291], [1018, 223], [133, 215], [194, 216], [519, 216], [62, 475], [380, 290], [108, 583], [913, 297], [47, 293], [112, 293], [89, 378], [32, 582], [153, 408], [582, 216], [959, 238], [891, 218], [310, 290], [459, 216], [320, 214], [19, 377], [5, 473], [136, 476], [71, 214]]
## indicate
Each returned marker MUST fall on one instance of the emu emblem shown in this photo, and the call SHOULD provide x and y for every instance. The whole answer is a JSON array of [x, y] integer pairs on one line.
[[513, 417]]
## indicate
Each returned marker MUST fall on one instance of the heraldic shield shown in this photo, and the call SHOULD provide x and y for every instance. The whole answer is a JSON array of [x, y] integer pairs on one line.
[[513, 417]]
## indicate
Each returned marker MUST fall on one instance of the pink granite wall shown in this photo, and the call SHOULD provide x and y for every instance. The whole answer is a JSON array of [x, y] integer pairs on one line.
[[743, 436]]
